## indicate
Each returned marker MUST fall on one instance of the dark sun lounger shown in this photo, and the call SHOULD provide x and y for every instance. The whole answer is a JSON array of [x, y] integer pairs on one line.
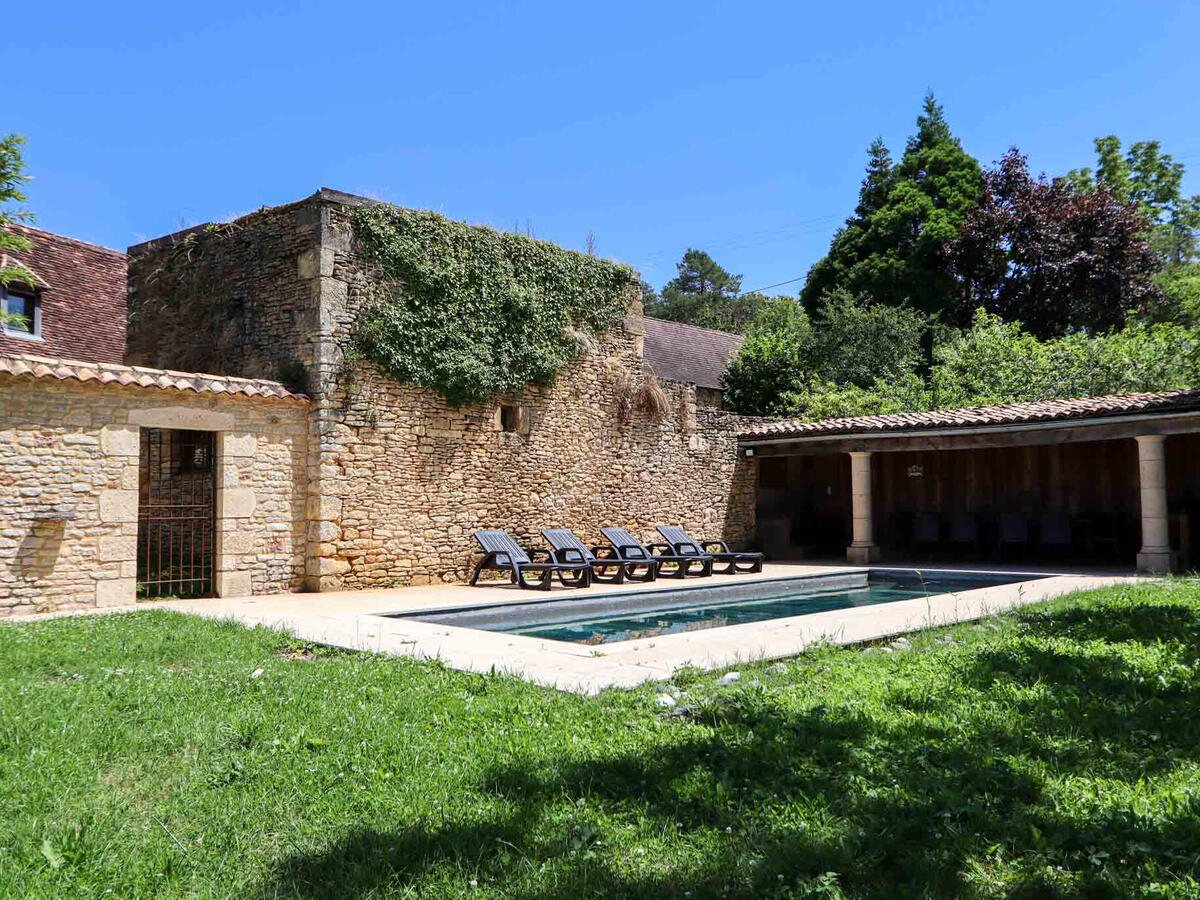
[[606, 565], [670, 564], [502, 552], [685, 545]]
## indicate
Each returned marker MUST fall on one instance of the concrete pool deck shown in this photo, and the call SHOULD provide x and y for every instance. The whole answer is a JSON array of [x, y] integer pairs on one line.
[[357, 620]]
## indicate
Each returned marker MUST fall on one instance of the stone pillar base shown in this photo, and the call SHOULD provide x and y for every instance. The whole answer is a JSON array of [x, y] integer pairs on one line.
[[1157, 562], [234, 584], [862, 554]]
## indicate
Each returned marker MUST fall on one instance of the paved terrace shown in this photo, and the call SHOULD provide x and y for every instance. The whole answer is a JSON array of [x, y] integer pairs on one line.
[[354, 620]]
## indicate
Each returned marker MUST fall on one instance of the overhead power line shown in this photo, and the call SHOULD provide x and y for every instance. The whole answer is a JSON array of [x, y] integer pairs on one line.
[[775, 285]]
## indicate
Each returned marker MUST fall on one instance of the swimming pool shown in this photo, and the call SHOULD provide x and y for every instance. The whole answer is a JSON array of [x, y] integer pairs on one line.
[[606, 618]]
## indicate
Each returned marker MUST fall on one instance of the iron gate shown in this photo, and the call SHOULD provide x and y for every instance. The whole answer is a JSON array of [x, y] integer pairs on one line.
[[176, 513]]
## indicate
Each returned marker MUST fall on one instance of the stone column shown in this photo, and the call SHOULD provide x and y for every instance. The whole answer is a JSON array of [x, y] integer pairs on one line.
[[863, 549], [116, 552], [235, 506], [1155, 557]]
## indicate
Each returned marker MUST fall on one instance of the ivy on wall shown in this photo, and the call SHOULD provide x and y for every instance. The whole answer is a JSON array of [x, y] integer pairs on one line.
[[474, 310]]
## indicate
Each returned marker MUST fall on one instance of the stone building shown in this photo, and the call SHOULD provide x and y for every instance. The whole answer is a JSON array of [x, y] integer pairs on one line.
[[312, 469], [292, 464], [72, 306]]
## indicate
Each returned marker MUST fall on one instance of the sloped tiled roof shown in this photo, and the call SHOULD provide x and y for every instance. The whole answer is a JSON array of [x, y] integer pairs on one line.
[[983, 416], [137, 376], [82, 289], [680, 352]]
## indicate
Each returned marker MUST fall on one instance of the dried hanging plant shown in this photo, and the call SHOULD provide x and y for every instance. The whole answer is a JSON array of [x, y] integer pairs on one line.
[[624, 391], [651, 400]]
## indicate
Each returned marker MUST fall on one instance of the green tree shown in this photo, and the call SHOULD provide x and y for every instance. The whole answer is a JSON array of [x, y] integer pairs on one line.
[[891, 248], [649, 295], [857, 342], [999, 362], [1154, 181], [703, 293], [848, 344], [12, 178], [1180, 286], [770, 366]]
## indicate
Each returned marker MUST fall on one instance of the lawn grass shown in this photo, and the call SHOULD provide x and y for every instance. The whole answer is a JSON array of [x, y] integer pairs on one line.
[[1051, 752]]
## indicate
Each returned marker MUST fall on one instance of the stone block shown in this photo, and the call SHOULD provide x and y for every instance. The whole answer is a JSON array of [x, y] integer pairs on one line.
[[324, 508], [322, 583], [862, 555], [236, 443], [235, 503], [323, 531], [183, 417], [117, 548], [116, 592], [120, 440], [234, 584], [118, 506], [326, 566], [1157, 562], [235, 541]]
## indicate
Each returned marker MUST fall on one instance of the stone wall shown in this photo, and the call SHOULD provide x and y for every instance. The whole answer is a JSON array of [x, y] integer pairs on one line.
[[402, 478], [228, 299], [398, 479], [69, 480], [408, 478]]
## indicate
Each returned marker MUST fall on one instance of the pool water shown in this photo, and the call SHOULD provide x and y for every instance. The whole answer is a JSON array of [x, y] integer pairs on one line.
[[624, 617]]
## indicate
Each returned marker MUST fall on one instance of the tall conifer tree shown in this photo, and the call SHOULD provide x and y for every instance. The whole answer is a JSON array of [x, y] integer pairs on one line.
[[891, 249]]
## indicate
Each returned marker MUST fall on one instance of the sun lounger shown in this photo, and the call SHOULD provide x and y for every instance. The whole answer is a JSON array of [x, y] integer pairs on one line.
[[606, 565], [684, 544], [669, 563], [503, 553]]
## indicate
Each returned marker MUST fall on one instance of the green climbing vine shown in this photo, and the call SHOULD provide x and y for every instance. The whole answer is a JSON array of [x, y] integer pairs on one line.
[[474, 310]]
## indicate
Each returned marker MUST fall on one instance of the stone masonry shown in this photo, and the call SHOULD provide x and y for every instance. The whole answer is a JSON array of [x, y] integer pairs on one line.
[[396, 478], [69, 479]]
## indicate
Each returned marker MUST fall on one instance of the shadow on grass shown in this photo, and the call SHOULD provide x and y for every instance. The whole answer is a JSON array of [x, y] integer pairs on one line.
[[1116, 622], [899, 802]]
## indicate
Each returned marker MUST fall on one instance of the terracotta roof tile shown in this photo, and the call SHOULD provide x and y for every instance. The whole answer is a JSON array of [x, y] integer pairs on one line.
[[137, 376], [1005, 414], [82, 288], [680, 352]]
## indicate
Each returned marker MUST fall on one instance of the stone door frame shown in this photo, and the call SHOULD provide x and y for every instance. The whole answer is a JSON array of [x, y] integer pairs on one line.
[[234, 503]]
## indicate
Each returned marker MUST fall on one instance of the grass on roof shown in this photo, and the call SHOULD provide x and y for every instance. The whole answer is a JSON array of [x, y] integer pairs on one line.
[[1051, 752]]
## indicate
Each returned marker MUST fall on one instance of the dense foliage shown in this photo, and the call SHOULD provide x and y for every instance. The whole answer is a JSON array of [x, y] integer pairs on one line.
[[1051, 256], [472, 310], [1053, 752], [1086, 284], [780, 370], [849, 341], [891, 248], [1153, 182], [703, 293]]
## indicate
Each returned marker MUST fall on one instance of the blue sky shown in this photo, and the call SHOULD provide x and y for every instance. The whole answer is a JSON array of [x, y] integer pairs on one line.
[[737, 128]]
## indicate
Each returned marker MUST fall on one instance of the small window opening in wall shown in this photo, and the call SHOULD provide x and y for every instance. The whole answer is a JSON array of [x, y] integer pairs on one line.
[[510, 418], [22, 313]]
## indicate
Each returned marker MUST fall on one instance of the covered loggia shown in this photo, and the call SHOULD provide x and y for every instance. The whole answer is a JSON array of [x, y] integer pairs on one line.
[[1109, 481]]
